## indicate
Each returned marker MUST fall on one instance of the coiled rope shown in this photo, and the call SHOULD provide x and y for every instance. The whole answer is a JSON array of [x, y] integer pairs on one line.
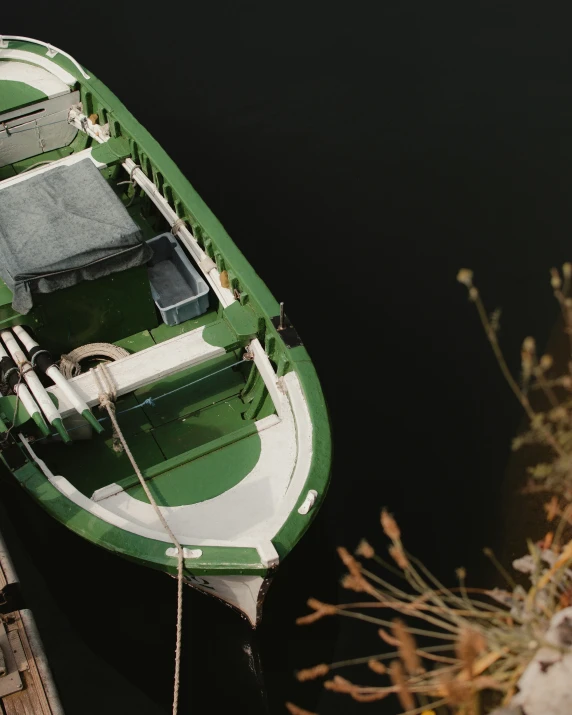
[[70, 363], [107, 395]]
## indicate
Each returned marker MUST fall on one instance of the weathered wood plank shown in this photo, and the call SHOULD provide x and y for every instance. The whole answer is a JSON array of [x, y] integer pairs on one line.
[[22, 648]]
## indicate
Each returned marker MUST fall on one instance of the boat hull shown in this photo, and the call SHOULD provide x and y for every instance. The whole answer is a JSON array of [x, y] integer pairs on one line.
[[278, 449], [244, 594]]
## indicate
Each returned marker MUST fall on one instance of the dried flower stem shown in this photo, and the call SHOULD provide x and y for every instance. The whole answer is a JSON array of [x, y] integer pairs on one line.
[[566, 313], [389, 567], [415, 610], [428, 652], [387, 624], [522, 398], [410, 609], [546, 387], [499, 567]]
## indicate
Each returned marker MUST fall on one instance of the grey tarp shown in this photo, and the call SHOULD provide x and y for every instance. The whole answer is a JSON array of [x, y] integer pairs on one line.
[[63, 226]]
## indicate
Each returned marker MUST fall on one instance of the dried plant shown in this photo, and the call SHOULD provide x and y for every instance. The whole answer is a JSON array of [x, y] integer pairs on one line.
[[452, 645], [449, 644], [551, 426]]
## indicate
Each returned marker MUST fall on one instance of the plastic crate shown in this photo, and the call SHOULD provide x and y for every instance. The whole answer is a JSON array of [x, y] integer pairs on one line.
[[177, 288]]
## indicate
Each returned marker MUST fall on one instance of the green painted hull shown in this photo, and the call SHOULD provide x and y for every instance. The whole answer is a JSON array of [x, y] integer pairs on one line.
[[198, 435]]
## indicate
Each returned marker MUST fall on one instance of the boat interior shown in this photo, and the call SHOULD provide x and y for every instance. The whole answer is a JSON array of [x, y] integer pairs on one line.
[[197, 389]]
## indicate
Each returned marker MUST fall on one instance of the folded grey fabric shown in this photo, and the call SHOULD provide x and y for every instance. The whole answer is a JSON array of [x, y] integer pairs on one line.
[[61, 227]]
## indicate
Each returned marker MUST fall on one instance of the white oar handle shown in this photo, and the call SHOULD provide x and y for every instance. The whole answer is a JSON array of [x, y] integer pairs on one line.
[[33, 381], [52, 371], [25, 338]]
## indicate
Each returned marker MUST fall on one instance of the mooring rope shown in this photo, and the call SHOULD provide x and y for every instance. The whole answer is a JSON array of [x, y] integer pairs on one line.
[[106, 399]]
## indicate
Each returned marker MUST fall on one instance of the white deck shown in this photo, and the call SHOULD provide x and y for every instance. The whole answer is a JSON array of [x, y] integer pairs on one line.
[[32, 58], [36, 77]]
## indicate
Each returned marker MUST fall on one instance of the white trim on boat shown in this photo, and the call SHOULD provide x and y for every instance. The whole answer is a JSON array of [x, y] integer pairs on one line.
[[241, 592], [207, 266], [34, 76], [308, 502], [51, 52], [267, 373], [66, 161], [304, 434], [76, 497], [268, 554], [187, 553], [142, 368], [225, 295], [39, 61]]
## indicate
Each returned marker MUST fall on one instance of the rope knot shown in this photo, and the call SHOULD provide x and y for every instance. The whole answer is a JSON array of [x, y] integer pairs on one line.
[[179, 223], [149, 401], [24, 367], [105, 401], [107, 397]]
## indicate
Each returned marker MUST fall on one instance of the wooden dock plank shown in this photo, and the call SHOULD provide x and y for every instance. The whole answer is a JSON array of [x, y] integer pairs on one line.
[[33, 686], [21, 649], [27, 701]]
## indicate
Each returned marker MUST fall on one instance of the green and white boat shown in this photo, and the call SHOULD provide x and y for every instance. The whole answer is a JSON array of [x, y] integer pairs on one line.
[[109, 257]]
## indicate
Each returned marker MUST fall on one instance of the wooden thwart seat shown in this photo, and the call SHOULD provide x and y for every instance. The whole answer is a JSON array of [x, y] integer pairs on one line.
[[149, 365]]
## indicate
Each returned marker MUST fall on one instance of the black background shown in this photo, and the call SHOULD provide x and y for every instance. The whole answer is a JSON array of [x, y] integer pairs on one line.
[[359, 154]]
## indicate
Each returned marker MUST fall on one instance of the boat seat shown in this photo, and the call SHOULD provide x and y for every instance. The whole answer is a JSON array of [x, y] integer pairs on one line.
[[153, 363]]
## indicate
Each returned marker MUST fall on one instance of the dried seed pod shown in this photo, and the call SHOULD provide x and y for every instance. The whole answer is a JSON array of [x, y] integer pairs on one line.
[[295, 710], [339, 685], [398, 555], [312, 673], [389, 526], [349, 562], [352, 583], [546, 362], [365, 549], [377, 666], [529, 345], [465, 276]]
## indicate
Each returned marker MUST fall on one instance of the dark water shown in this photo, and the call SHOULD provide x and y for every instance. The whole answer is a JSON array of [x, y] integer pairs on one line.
[[359, 154]]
